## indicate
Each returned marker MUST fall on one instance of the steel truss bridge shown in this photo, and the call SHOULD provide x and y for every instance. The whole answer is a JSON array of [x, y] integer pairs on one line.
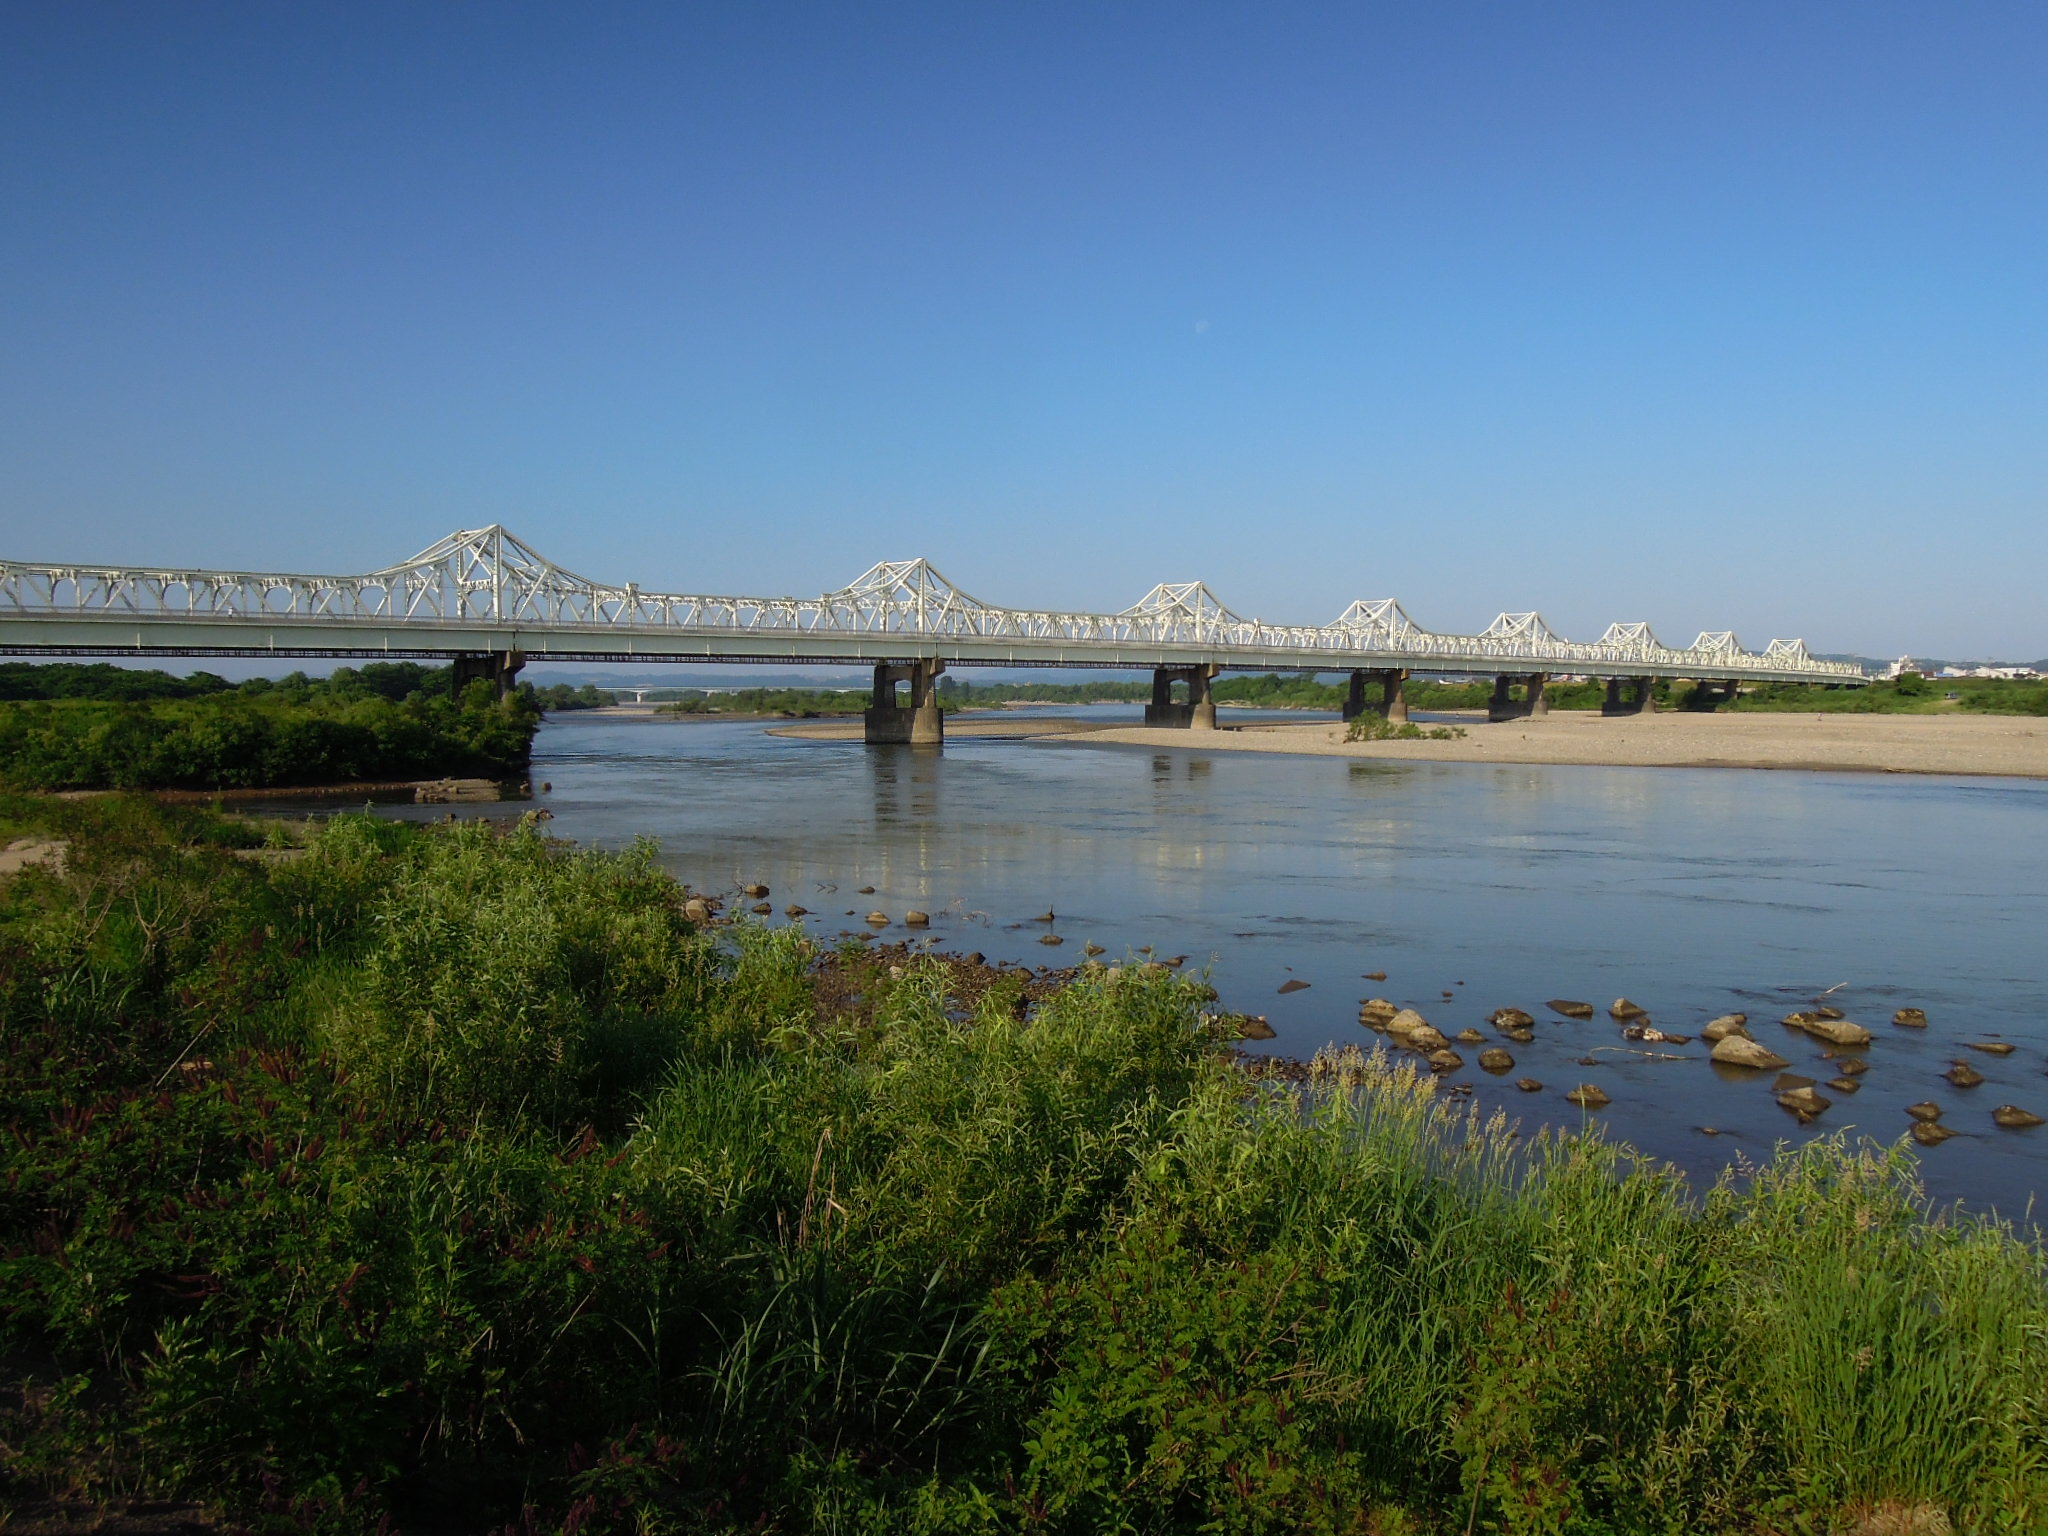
[[483, 591]]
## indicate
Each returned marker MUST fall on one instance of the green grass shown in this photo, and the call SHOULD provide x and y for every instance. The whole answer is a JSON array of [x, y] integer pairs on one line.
[[447, 1176]]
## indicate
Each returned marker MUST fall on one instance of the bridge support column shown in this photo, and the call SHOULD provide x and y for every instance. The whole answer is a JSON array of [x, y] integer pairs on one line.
[[917, 724], [1505, 706], [1393, 700], [501, 668], [1630, 696], [1198, 714]]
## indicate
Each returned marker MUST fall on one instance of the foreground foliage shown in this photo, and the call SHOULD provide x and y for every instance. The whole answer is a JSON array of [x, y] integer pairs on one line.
[[448, 1175]]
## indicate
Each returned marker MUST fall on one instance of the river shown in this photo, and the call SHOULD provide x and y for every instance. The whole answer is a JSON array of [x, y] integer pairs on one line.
[[1693, 892]]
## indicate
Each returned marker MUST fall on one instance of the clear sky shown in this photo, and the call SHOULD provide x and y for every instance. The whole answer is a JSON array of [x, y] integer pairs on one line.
[[1729, 315]]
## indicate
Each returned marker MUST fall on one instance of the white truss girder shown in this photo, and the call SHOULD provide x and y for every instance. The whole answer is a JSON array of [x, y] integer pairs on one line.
[[487, 577]]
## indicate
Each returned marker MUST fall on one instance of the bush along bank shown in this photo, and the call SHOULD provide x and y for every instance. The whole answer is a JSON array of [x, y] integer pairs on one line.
[[450, 1177], [259, 739]]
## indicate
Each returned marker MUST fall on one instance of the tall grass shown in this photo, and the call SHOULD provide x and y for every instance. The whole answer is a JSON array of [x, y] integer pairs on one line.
[[457, 1177]]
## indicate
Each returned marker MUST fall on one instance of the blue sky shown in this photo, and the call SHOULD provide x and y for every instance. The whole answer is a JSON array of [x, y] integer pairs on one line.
[[1730, 315]]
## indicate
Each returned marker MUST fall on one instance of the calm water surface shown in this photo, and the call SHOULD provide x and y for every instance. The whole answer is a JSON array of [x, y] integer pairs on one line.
[[1694, 892]]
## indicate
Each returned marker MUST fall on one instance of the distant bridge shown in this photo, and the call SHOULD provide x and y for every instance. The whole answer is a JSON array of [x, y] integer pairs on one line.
[[490, 601]]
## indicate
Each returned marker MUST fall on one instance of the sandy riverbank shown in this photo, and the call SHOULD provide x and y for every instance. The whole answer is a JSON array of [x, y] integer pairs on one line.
[[2004, 745]]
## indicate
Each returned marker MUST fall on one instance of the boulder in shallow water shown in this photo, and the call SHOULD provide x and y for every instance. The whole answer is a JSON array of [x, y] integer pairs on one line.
[[1726, 1025], [697, 910], [1963, 1075], [1052, 938], [1807, 1104], [1992, 1047], [1470, 1037], [1570, 1009], [1445, 1060], [1834, 1031], [2013, 1118], [1376, 1012], [1844, 1084], [879, 919], [1528, 1085], [1852, 1066], [1926, 1109], [1496, 1061], [1427, 1039], [1375, 975], [1511, 1018], [1910, 1018], [1519, 1036], [1741, 1051], [755, 892], [1253, 1026], [1588, 1096], [794, 911], [1931, 1133], [1622, 1008], [1405, 1022], [762, 908], [917, 919], [1293, 984]]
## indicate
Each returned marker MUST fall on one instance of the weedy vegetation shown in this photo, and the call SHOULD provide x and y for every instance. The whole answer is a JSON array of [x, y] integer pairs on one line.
[[446, 1177]]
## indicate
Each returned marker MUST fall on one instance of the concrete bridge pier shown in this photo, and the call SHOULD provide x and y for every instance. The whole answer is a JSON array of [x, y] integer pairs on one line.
[[1505, 706], [1393, 700], [918, 723], [500, 668], [1198, 713], [1630, 696]]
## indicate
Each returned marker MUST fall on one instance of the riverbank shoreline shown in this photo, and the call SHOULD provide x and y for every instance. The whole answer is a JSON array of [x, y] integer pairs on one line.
[[1999, 746]]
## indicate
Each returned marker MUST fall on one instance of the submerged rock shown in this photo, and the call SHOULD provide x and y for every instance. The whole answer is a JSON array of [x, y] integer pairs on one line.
[[1519, 1036], [1741, 1051], [1570, 1009], [762, 908], [1926, 1109], [1052, 938], [1930, 1133], [1991, 1047], [1726, 1025], [1496, 1061], [1470, 1037], [1528, 1085], [1963, 1075], [1375, 975], [1588, 1096], [1511, 1018], [793, 910], [1293, 984], [867, 890], [1844, 1084], [2013, 1118], [1910, 1018], [1852, 1066]]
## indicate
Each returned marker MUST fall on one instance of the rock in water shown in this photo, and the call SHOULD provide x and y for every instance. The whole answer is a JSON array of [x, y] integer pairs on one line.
[[1091, 949], [1528, 1085], [1726, 1025], [1834, 1031], [755, 891], [1496, 1061], [1930, 1133], [2013, 1118], [762, 908], [1510, 1018], [917, 919], [1926, 1109], [1621, 1008], [1426, 1039], [1807, 1104], [867, 890], [1963, 1075], [1376, 1012], [1741, 1051], [1519, 1036], [1405, 1022], [1375, 975], [1853, 1066], [1470, 1037], [1588, 1096], [1910, 1018], [1445, 1060], [1253, 1026], [879, 919], [696, 911], [1052, 938], [1844, 1084], [793, 910], [1991, 1047], [1569, 1009], [1293, 984]]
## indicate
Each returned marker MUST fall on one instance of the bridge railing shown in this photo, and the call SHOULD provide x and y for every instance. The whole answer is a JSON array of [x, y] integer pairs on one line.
[[489, 577]]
